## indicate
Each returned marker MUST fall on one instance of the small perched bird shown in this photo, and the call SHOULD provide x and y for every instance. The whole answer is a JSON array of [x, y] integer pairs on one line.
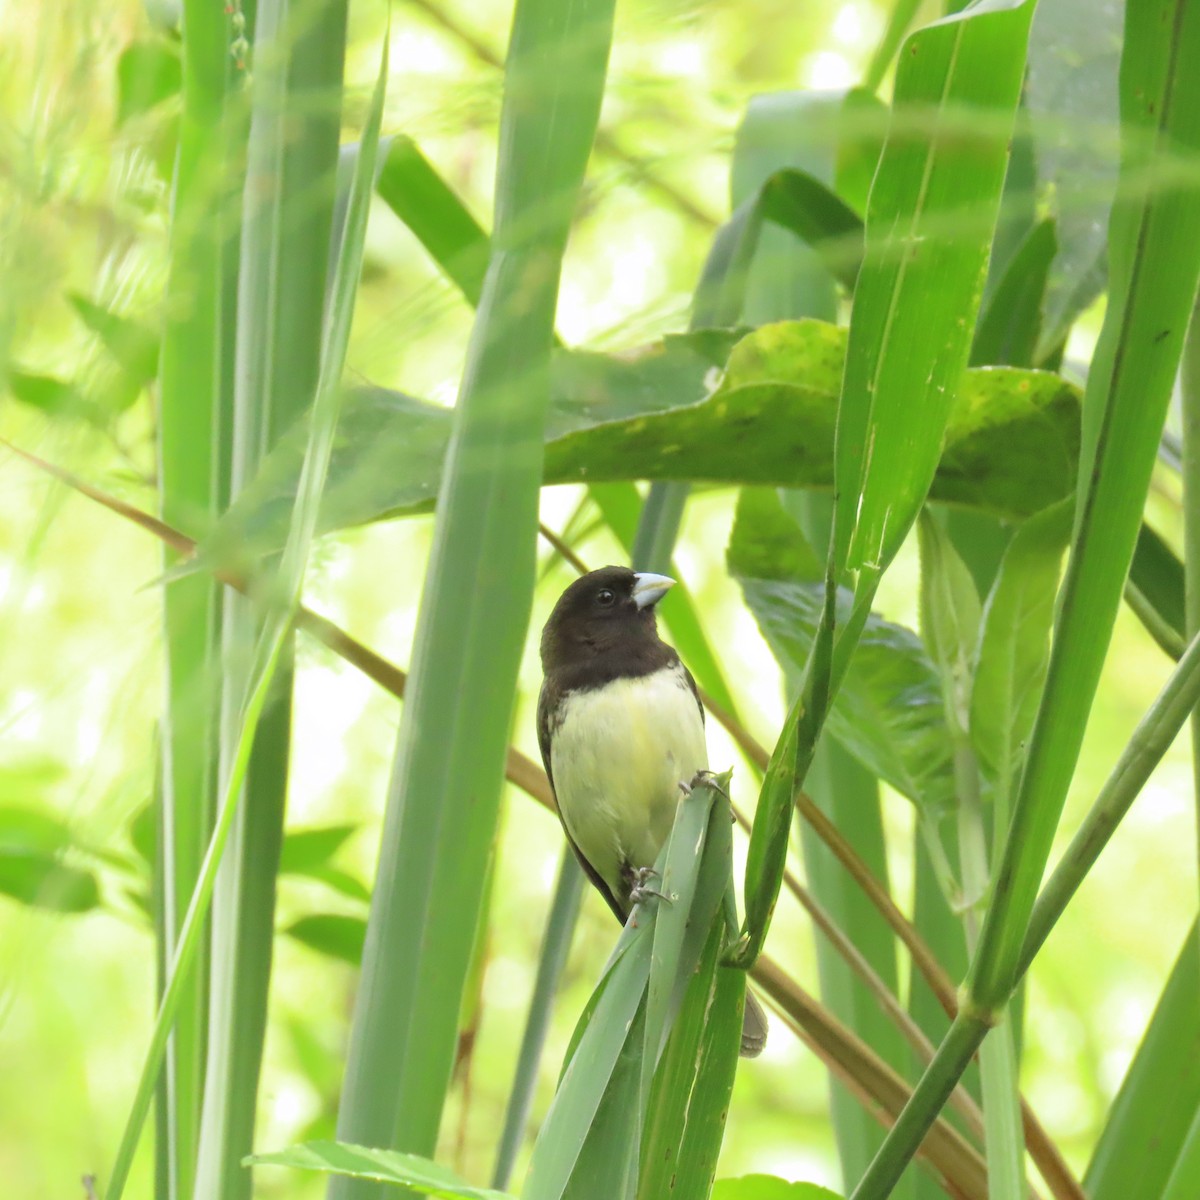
[[620, 726]]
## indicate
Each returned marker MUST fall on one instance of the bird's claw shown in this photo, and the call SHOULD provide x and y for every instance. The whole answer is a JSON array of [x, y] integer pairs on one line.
[[701, 777], [640, 892]]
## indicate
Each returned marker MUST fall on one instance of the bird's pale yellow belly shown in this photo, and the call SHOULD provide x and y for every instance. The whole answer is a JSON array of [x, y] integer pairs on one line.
[[618, 757]]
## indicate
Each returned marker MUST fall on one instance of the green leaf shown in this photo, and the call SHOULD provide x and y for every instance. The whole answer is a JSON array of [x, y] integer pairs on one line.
[[1014, 644], [1151, 1117], [588, 1142], [1010, 323], [38, 879], [49, 394], [950, 614], [780, 130], [1071, 99], [307, 850], [1156, 589], [1011, 443], [888, 711], [131, 345], [930, 219], [148, 72], [1153, 268], [768, 1187], [32, 844], [411, 1171], [337, 936], [415, 192], [425, 907], [690, 1100]]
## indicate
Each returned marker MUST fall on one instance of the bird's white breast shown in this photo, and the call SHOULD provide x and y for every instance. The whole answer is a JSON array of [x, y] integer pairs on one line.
[[618, 756]]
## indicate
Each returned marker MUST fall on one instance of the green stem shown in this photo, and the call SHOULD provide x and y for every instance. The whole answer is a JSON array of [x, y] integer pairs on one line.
[[555, 945], [193, 923], [1189, 394], [1151, 740], [958, 1047], [1003, 1134]]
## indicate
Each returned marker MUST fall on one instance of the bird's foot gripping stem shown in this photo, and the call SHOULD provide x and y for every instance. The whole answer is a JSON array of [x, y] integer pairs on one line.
[[641, 891], [705, 776]]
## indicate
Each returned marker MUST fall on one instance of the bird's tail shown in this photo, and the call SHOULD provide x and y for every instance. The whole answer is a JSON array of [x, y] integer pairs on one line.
[[754, 1027]]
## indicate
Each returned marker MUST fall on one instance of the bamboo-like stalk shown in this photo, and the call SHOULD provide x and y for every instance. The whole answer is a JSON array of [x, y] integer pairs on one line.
[[440, 821], [193, 461], [288, 212]]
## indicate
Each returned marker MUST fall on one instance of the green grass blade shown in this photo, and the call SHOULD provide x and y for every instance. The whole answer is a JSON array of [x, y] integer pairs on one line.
[[191, 930], [410, 1171], [418, 195], [690, 1100], [1156, 590], [556, 942], [899, 19], [1154, 268], [475, 603], [1143, 752], [1185, 1177], [1151, 1118], [291, 184], [1011, 321], [194, 367], [930, 219]]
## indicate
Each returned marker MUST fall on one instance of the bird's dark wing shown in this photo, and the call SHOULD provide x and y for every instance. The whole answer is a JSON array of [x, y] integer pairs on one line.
[[695, 690], [548, 701]]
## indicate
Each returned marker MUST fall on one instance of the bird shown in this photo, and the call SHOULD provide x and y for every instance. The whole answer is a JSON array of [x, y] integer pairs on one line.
[[620, 727]]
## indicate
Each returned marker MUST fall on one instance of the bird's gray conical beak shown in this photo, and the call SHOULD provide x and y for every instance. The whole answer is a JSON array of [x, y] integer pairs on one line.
[[649, 589]]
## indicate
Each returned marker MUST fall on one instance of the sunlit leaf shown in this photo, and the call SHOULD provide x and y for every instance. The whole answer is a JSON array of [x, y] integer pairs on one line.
[[1011, 443], [411, 1171], [889, 710]]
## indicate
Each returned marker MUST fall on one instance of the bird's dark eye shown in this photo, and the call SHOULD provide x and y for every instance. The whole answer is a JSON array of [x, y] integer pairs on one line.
[[605, 596]]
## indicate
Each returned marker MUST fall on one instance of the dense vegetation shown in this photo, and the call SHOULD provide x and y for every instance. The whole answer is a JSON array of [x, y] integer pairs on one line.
[[893, 371]]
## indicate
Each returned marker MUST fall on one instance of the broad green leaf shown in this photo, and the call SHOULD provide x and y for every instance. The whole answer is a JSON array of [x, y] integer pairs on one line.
[[889, 710], [1185, 1177], [415, 1174], [768, 1187], [332, 934], [812, 211], [930, 219], [1011, 442], [781, 130]]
